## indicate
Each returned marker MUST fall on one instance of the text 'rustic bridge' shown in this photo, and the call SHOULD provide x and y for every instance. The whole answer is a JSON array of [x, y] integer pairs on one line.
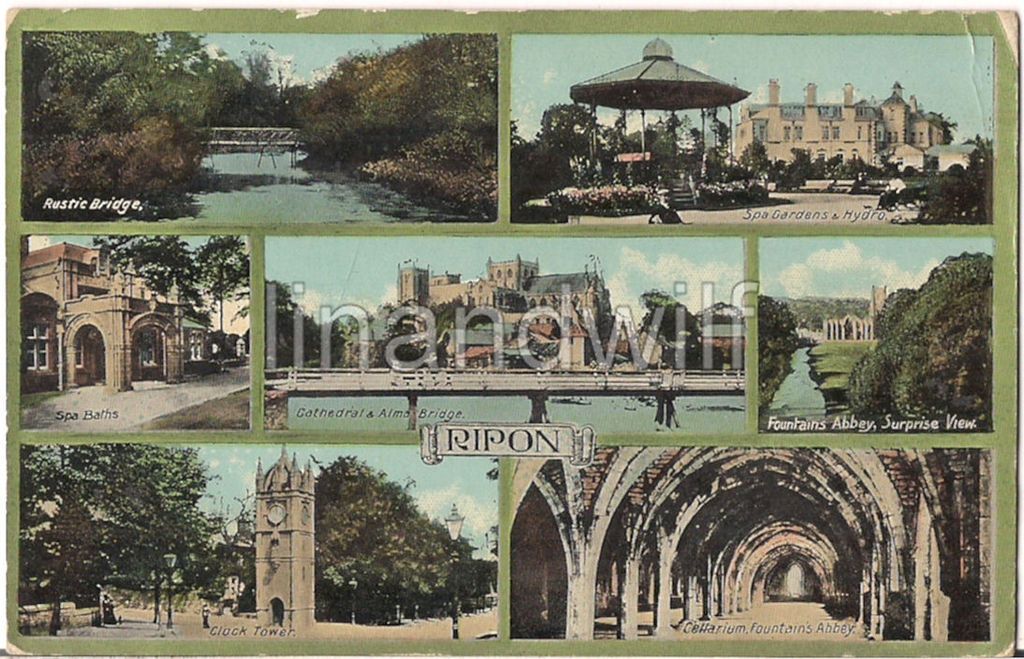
[[665, 386]]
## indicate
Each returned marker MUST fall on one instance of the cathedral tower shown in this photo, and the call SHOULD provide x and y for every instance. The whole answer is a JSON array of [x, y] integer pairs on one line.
[[284, 544]]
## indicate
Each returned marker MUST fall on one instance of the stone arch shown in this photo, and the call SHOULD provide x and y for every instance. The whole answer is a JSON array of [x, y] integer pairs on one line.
[[155, 348]]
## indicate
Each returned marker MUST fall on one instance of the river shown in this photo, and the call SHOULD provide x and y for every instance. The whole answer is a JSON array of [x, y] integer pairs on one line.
[[798, 395], [697, 415], [242, 187]]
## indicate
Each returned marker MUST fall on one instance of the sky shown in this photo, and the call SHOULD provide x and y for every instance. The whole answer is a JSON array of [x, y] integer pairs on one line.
[[233, 323], [364, 271], [311, 55], [435, 488], [849, 267], [948, 74]]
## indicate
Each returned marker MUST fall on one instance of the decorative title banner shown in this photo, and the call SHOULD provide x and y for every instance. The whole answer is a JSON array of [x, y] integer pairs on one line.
[[532, 440]]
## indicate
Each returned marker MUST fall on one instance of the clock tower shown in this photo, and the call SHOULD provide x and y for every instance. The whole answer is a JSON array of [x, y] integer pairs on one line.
[[284, 544]]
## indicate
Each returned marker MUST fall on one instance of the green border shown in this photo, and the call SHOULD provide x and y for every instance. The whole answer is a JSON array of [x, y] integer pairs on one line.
[[505, 25]]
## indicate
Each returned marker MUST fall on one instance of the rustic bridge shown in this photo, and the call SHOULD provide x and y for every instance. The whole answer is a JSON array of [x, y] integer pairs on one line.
[[258, 139], [665, 386]]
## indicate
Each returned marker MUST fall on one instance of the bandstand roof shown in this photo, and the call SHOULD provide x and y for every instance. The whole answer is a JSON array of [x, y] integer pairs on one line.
[[657, 82]]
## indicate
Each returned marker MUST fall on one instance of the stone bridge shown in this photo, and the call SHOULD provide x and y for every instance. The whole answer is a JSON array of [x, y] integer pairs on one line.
[[895, 542], [665, 386]]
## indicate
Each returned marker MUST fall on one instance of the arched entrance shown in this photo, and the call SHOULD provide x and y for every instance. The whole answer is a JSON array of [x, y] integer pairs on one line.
[[793, 581], [90, 357], [277, 612], [539, 585], [149, 353]]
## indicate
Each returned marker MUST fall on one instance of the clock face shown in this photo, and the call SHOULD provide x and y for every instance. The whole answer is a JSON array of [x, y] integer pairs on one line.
[[276, 514]]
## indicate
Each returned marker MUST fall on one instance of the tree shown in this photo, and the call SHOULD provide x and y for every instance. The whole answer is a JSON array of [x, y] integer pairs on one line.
[[669, 333], [106, 514], [776, 341], [370, 530], [961, 195], [223, 265], [755, 158], [165, 263], [934, 354]]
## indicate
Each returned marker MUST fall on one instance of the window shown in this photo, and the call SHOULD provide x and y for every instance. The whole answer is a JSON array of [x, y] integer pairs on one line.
[[835, 132], [37, 343], [785, 133], [195, 346], [824, 134], [860, 132], [799, 132], [79, 352]]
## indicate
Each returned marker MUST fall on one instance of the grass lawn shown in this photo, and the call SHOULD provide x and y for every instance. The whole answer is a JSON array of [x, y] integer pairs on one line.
[[833, 361], [228, 413], [31, 400]]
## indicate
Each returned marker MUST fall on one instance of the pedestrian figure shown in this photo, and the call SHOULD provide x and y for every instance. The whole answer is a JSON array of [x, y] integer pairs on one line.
[[206, 615]]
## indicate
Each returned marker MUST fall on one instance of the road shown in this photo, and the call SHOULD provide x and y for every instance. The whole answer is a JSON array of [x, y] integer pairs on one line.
[[94, 409], [136, 624]]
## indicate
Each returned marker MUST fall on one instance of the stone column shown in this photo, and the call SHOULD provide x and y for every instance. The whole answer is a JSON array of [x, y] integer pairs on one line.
[[663, 610], [630, 589]]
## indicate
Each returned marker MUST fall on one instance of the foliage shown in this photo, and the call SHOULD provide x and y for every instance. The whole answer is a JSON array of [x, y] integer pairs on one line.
[[727, 195], [959, 195], [223, 265], [112, 113], [107, 514], [609, 200], [669, 330], [430, 104], [776, 341], [755, 158], [933, 355], [203, 276], [369, 530]]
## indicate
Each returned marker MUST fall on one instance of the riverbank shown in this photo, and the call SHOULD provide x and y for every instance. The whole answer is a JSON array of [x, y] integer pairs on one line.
[[830, 366]]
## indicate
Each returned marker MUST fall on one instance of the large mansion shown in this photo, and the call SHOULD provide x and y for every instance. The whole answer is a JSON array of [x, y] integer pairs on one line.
[[896, 128]]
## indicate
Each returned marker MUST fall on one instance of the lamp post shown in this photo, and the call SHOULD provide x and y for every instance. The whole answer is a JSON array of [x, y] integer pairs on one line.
[[454, 523], [353, 584], [170, 560]]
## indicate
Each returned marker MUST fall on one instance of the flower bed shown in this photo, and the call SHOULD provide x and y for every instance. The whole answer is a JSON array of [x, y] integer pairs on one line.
[[731, 194], [606, 201]]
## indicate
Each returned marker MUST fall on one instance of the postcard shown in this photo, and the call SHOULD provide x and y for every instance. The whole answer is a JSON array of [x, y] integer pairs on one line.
[[356, 332]]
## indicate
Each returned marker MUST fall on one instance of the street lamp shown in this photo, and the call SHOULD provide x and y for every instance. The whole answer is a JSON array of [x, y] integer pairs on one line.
[[454, 523], [170, 560], [353, 584]]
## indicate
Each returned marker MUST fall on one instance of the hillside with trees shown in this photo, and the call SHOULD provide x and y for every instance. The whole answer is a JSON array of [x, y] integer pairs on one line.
[[934, 354]]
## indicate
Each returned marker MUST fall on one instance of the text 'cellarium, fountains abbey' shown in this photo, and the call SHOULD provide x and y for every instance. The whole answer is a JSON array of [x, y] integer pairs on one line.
[[896, 542]]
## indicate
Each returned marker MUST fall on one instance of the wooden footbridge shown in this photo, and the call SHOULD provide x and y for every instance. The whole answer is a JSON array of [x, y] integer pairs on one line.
[[665, 386], [259, 139]]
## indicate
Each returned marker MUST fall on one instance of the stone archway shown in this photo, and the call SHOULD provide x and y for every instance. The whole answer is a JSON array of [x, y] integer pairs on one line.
[[712, 531], [277, 612], [89, 354], [156, 349]]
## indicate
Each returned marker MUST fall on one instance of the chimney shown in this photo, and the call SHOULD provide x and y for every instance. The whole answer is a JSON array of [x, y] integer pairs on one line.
[[848, 94], [812, 94], [773, 92], [913, 103]]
